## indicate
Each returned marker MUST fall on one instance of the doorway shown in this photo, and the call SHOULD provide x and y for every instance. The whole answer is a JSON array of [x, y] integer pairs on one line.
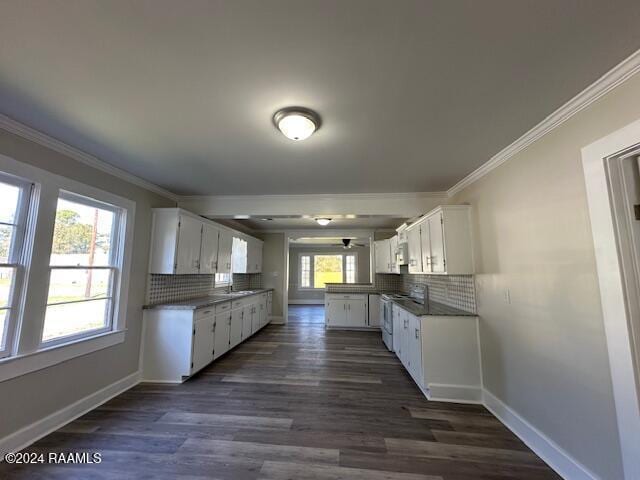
[[316, 260], [612, 178]]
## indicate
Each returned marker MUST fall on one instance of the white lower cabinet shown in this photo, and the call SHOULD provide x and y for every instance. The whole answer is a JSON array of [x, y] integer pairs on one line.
[[203, 341], [221, 336], [179, 343], [247, 321], [346, 310], [441, 353]]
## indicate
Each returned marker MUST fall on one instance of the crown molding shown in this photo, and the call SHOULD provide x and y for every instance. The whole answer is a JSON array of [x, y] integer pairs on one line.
[[610, 80], [13, 126]]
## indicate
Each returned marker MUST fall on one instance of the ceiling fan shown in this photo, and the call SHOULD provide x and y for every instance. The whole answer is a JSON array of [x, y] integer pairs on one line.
[[346, 244]]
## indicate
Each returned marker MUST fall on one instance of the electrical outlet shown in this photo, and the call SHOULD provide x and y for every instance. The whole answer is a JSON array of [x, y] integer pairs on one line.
[[507, 296]]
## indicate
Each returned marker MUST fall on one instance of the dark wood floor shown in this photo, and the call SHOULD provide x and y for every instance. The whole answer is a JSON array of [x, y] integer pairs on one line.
[[294, 402]]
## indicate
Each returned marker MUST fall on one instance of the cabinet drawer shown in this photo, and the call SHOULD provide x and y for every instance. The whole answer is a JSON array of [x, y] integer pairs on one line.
[[223, 307], [347, 296], [204, 312], [241, 303]]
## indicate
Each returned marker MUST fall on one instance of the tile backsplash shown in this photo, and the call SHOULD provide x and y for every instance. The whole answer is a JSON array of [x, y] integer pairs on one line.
[[172, 288], [453, 290]]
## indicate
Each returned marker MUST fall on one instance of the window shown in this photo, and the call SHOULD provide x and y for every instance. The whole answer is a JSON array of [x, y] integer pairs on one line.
[[350, 269], [327, 268], [15, 195], [84, 268], [223, 279], [305, 271]]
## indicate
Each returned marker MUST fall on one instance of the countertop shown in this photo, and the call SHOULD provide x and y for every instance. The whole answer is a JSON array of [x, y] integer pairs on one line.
[[431, 308], [202, 302]]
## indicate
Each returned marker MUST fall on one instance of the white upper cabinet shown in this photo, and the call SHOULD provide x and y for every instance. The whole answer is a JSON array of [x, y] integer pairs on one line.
[[254, 256], [225, 245], [393, 259], [209, 249], [386, 255], [184, 243], [247, 255], [239, 255], [441, 242], [415, 249], [189, 242], [436, 259]]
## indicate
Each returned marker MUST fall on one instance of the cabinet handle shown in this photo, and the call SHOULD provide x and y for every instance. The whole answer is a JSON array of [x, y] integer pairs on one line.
[[344, 306], [417, 333]]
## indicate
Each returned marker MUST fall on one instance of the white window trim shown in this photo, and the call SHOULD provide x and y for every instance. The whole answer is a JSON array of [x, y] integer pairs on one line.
[[313, 288], [20, 237], [28, 353], [116, 257]]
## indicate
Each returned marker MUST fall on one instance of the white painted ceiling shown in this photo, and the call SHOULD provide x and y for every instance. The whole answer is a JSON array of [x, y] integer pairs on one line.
[[414, 94], [378, 222]]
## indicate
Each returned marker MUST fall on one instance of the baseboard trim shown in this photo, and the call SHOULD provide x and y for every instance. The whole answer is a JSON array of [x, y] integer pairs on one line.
[[558, 459], [277, 320], [307, 302], [40, 428], [454, 393]]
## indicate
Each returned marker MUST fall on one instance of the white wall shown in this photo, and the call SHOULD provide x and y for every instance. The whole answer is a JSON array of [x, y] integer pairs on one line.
[[273, 268], [545, 354], [31, 397]]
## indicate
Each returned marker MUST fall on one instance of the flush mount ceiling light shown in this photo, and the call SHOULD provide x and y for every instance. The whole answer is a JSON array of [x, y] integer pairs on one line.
[[323, 221], [296, 123]]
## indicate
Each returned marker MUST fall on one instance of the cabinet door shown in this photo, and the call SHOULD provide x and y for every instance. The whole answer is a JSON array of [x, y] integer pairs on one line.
[[405, 339], [209, 249], [247, 318], [425, 245], [436, 243], [397, 331], [393, 255], [357, 313], [221, 337], [239, 255], [235, 331], [415, 250], [259, 257], [416, 350], [203, 343], [254, 256], [336, 313], [263, 311], [225, 243], [189, 240], [256, 322]]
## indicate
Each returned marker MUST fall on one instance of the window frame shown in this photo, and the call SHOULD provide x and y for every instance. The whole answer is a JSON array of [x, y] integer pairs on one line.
[[115, 267], [16, 260], [27, 354], [312, 263]]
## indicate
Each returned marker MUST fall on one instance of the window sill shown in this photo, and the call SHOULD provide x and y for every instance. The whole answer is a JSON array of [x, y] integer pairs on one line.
[[18, 365]]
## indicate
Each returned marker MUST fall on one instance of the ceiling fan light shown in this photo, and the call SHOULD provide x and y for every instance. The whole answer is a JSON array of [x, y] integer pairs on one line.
[[323, 221]]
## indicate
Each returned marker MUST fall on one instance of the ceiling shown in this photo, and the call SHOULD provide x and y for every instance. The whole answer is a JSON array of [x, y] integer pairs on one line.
[[414, 94], [300, 223], [357, 242]]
